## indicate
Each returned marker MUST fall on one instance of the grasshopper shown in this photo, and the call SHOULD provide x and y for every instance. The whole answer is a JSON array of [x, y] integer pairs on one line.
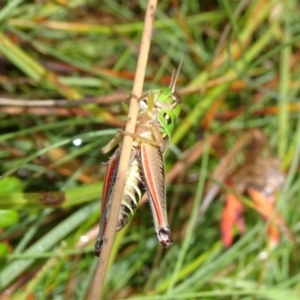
[[158, 111]]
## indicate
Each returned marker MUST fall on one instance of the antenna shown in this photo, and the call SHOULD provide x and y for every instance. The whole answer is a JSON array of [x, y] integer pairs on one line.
[[175, 75]]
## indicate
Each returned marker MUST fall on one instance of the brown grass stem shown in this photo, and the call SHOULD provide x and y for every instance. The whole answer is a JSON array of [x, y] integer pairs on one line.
[[125, 153]]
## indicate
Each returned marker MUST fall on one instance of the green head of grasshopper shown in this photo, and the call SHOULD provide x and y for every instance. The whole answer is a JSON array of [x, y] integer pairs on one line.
[[163, 105], [169, 111], [169, 104]]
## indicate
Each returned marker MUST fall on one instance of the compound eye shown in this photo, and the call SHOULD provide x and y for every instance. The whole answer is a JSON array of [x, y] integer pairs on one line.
[[176, 97], [167, 118], [143, 103]]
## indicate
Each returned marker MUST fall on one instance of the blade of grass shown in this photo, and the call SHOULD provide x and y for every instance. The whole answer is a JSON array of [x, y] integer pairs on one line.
[[8, 8], [49, 126], [213, 94], [68, 198], [192, 221], [283, 116], [57, 144], [109, 30], [49, 240], [33, 69]]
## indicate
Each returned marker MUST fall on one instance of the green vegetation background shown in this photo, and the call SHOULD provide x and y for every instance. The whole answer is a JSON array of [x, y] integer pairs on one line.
[[240, 71]]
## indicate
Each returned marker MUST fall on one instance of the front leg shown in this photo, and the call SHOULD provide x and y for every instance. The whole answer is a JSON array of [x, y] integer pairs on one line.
[[140, 138], [159, 139], [115, 141]]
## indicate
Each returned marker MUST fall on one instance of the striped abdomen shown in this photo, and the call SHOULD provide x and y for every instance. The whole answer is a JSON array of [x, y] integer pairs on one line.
[[133, 192]]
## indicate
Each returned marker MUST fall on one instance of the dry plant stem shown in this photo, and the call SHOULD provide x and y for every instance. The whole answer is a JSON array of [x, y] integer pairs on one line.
[[125, 153], [189, 157], [223, 168], [116, 97], [45, 111]]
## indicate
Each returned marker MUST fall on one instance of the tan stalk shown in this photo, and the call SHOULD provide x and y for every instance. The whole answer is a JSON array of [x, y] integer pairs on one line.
[[99, 277]]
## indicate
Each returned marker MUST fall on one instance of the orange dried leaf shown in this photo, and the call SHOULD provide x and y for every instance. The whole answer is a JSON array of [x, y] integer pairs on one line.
[[232, 215]]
